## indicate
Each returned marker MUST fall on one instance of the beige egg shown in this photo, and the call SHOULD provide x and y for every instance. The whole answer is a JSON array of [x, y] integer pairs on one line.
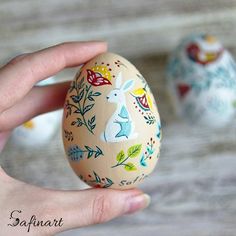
[[111, 124]]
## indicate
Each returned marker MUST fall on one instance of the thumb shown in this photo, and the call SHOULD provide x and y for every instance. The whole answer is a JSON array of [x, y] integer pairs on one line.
[[93, 206]]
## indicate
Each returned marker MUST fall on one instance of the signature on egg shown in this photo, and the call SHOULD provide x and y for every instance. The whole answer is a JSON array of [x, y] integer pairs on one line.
[[136, 179]]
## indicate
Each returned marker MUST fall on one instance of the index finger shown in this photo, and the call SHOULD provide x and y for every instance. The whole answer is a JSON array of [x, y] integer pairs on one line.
[[19, 75]]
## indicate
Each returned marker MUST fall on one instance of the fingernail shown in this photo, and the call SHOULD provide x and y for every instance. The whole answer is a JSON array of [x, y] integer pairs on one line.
[[137, 203]]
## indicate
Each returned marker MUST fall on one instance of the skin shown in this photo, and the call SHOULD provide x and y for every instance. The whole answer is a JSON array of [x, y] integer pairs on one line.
[[20, 103]]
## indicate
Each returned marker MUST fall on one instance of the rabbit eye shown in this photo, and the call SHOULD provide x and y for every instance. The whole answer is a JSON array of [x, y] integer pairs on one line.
[[115, 94]]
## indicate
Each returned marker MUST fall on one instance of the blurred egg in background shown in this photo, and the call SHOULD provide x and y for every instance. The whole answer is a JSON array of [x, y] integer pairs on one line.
[[202, 81], [39, 130]]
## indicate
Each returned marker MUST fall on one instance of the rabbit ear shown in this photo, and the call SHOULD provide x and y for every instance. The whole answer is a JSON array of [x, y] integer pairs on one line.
[[119, 80], [127, 85]]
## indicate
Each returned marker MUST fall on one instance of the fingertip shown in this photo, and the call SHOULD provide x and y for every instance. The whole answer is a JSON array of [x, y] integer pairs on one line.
[[95, 47], [98, 43]]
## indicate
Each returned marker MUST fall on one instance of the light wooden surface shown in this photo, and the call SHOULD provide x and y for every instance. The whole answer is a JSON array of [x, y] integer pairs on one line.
[[132, 27], [193, 187]]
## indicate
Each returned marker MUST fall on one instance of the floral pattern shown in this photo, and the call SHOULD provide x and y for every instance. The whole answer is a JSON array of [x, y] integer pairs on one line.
[[143, 101], [96, 181], [75, 153], [122, 158], [96, 79], [148, 153], [84, 99]]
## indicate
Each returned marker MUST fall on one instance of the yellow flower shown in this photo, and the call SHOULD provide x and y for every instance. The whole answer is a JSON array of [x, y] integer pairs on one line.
[[103, 71]]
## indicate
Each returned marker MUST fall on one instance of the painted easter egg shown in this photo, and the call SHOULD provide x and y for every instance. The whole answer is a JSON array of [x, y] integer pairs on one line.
[[30, 133], [111, 125], [202, 81]]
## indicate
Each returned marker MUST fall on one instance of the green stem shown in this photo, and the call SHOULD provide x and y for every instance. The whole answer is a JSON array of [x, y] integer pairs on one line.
[[121, 163], [83, 105], [148, 153], [82, 109], [72, 105], [87, 90]]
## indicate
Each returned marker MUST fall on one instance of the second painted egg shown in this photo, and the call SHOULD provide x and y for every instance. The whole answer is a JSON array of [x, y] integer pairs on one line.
[[202, 81]]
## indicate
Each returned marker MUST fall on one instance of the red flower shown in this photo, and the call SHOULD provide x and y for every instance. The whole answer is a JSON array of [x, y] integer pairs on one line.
[[96, 79]]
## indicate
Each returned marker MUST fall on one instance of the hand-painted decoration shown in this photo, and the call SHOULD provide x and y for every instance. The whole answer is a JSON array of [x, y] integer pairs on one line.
[[99, 75], [84, 99], [124, 159], [111, 125], [202, 81], [143, 102], [120, 126], [68, 135], [97, 181], [75, 153], [147, 155], [159, 131]]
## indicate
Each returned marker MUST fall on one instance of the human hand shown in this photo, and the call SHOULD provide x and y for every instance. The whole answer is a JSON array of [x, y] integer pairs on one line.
[[20, 101]]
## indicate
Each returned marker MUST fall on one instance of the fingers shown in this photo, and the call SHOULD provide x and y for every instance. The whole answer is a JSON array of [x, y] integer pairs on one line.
[[72, 208], [40, 99], [96, 206], [19, 75]]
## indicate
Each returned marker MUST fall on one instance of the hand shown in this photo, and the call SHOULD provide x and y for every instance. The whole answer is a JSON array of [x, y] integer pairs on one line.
[[21, 101]]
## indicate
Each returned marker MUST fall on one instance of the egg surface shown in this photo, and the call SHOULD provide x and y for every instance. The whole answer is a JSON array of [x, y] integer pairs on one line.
[[202, 81], [111, 124]]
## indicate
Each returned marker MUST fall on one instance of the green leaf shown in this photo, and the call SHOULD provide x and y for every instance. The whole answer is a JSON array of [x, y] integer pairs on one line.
[[109, 181], [135, 150], [96, 94], [150, 151], [98, 152], [92, 119], [88, 148], [87, 88], [80, 83], [90, 122], [77, 111], [76, 99], [90, 98], [120, 156], [80, 96], [87, 108], [90, 153], [130, 167], [92, 127], [98, 180], [79, 122], [142, 161]]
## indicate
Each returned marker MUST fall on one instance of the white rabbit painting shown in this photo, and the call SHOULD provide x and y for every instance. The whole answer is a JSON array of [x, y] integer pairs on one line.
[[120, 126]]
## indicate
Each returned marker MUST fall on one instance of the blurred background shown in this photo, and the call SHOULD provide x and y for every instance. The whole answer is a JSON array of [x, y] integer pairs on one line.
[[193, 188]]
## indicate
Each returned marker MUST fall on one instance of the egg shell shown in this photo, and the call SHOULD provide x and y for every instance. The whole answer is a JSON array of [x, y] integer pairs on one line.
[[201, 77], [111, 124], [30, 133]]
